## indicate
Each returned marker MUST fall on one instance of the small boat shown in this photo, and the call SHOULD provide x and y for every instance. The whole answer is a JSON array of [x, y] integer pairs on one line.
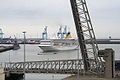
[[16, 45]]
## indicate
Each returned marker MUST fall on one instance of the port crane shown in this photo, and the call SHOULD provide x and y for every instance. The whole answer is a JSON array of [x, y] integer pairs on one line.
[[86, 36], [44, 34]]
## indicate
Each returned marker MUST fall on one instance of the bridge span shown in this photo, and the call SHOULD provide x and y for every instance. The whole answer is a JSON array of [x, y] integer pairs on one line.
[[53, 66]]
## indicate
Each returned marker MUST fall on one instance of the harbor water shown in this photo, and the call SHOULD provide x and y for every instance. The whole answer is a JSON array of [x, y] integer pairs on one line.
[[34, 53]]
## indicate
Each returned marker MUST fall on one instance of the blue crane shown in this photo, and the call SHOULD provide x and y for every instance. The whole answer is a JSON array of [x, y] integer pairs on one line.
[[44, 34], [65, 32], [59, 34]]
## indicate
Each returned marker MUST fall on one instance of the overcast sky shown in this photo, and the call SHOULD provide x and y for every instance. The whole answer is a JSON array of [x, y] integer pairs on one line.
[[32, 16]]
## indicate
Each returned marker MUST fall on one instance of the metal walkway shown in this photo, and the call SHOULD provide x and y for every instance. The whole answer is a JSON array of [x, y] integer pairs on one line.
[[54, 66]]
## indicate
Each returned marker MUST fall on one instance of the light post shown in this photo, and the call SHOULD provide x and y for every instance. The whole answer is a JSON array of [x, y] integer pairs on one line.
[[78, 62], [9, 56], [24, 55]]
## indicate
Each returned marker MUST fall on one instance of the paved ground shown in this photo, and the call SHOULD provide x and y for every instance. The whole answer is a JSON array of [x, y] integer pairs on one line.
[[74, 77]]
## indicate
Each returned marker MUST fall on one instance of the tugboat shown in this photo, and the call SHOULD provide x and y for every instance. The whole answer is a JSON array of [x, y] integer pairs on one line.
[[16, 45]]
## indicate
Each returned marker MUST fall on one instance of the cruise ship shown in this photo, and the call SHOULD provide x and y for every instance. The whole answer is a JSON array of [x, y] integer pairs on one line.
[[58, 45], [64, 42]]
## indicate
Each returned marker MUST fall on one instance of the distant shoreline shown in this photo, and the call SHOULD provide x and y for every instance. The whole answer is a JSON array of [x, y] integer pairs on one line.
[[37, 41]]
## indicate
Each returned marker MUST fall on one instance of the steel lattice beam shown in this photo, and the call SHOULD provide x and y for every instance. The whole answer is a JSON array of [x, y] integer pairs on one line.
[[55, 66], [85, 32]]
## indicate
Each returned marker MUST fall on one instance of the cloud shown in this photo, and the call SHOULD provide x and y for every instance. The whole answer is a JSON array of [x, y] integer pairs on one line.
[[17, 13]]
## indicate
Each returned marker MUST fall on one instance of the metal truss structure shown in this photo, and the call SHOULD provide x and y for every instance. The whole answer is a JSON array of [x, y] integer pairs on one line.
[[85, 32], [54, 66]]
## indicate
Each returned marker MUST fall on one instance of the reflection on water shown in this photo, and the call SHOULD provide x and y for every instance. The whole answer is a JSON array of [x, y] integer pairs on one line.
[[34, 53]]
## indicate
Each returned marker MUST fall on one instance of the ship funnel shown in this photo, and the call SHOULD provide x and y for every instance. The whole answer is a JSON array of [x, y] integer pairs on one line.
[[68, 35]]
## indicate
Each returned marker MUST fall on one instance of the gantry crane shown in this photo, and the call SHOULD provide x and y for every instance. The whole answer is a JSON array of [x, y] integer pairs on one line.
[[85, 33]]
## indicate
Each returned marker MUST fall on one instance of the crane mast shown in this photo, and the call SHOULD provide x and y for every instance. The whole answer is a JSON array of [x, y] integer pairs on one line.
[[85, 32]]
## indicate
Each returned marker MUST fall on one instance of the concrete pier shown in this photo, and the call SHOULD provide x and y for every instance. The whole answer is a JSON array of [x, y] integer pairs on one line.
[[5, 48], [2, 74]]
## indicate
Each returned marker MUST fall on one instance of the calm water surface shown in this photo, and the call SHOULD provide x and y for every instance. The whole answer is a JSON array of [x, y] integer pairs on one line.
[[34, 53]]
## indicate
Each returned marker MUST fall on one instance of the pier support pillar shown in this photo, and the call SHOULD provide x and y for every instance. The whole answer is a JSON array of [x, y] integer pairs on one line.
[[2, 75], [12, 76], [108, 56]]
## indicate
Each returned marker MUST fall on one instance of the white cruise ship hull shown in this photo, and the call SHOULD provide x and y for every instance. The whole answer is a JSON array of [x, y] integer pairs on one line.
[[48, 48], [58, 45]]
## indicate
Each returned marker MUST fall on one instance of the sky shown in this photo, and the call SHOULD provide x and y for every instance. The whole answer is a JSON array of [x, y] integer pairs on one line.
[[32, 16]]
